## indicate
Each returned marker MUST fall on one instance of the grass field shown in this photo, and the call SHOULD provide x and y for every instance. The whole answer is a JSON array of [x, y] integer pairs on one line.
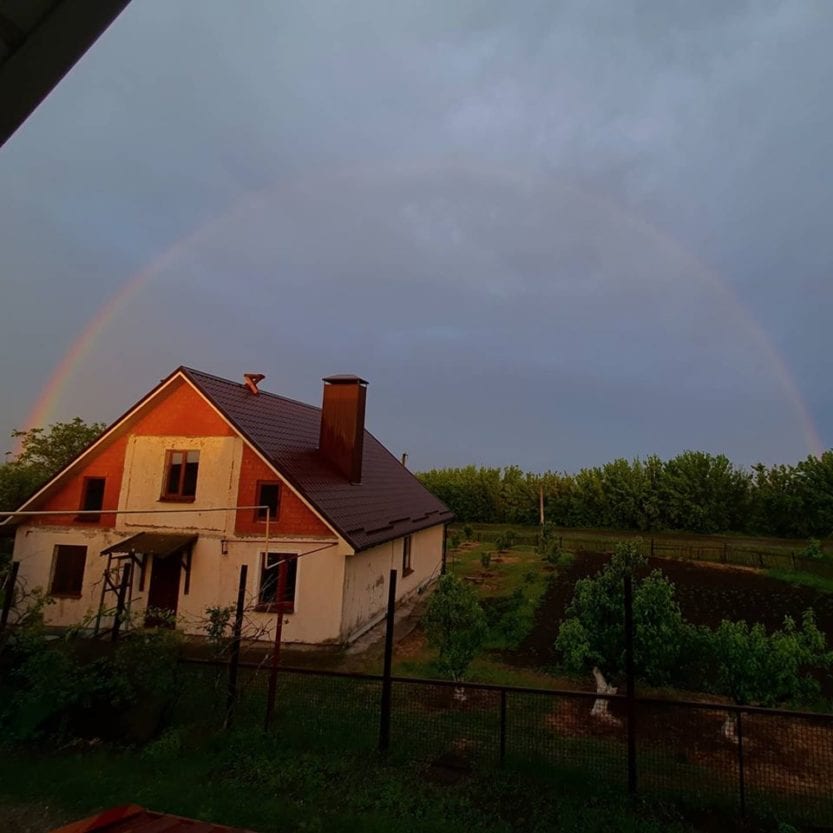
[[739, 541]]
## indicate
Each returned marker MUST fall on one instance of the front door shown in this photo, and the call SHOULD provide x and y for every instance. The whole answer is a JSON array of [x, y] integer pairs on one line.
[[163, 593]]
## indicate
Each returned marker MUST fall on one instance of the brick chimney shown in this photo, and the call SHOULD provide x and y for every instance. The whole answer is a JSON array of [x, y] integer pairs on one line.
[[342, 424]]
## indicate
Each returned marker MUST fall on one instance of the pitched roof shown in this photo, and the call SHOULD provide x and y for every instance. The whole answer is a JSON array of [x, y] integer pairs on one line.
[[389, 502]]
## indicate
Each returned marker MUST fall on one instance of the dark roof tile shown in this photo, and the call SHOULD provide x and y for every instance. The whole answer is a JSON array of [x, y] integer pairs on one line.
[[389, 502]]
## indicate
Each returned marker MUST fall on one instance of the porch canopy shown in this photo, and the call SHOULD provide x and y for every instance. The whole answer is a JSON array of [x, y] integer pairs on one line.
[[157, 544]]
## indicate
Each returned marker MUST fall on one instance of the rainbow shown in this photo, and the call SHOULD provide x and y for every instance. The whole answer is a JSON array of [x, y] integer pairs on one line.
[[46, 407]]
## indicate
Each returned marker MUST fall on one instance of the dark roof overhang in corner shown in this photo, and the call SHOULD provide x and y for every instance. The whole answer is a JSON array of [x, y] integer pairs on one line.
[[40, 41], [159, 544]]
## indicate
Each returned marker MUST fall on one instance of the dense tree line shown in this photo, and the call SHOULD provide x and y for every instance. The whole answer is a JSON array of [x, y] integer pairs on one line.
[[694, 491]]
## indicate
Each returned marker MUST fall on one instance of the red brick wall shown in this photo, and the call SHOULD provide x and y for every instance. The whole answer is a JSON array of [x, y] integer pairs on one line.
[[294, 517], [183, 413], [180, 411], [107, 462]]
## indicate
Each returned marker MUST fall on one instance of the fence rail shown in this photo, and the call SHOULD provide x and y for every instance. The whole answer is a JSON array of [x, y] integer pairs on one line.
[[744, 759]]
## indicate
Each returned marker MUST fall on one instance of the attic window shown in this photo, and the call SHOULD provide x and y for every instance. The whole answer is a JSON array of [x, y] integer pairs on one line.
[[181, 469], [92, 499], [268, 495]]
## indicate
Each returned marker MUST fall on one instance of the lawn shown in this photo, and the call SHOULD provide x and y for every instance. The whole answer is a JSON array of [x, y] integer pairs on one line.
[[270, 783], [738, 540]]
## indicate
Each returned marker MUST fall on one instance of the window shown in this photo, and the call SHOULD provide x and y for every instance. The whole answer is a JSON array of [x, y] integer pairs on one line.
[[268, 593], [268, 494], [181, 475], [92, 498], [406, 556], [68, 571]]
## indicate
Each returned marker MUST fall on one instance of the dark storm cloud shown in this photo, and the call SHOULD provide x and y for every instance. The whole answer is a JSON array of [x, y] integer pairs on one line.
[[526, 224]]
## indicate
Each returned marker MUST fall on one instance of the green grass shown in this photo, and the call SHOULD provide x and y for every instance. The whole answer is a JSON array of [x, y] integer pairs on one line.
[[510, 589], [261, 783], [606, 536], [821, 583]]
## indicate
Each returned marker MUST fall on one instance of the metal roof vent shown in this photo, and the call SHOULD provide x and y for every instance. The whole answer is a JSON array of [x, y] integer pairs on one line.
[[251, 381]]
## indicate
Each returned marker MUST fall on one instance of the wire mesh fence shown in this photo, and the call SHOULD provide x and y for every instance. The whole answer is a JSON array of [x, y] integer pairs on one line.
[[742, 760]]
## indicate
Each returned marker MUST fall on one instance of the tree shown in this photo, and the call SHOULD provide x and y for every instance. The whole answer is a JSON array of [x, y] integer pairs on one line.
[[704, 493], [43, 452], [815, 475], [592, 636], [455, 625], [754, 667]]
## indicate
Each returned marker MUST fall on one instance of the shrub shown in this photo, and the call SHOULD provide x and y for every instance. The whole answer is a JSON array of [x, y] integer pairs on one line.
[[217, 628], [506, 540], [468, 532], [486, 560], [552, 552], [812, 550], [454, 540]]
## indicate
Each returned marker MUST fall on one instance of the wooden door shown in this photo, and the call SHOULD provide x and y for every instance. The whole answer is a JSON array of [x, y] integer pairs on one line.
[[163, 593]]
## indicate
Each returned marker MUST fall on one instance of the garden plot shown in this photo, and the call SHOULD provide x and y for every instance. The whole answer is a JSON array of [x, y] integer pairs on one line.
[[707, 594]]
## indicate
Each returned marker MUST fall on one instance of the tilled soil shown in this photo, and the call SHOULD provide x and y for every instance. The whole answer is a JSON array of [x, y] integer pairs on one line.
[[707, 594]]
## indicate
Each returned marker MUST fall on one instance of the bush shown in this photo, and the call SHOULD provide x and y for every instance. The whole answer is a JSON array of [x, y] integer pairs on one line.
[[468, 532], [813, 550], [552, 553], [454, 540], [506, 540], [486, 560], [218, 629], [51, 690]]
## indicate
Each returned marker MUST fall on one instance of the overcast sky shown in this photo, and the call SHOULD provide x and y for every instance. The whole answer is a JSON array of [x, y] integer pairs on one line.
[[548, 233]]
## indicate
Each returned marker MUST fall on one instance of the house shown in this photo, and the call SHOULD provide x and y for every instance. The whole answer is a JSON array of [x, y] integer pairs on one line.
[[203, 475]]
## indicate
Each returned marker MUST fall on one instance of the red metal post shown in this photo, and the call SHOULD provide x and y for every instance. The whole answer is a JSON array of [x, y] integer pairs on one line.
[[276, 651]]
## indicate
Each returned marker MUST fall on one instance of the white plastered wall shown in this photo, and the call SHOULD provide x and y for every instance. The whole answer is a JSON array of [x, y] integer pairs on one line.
[[215, 580], [367, 574], [35, 547], [144, 468]]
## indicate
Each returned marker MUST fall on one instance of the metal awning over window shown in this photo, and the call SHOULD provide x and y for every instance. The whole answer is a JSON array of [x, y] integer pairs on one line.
[[158, 544]]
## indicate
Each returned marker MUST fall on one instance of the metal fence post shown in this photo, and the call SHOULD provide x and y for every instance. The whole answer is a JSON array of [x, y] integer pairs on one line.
[[385, 709], [283, 568], [741, 775], [502, 726], [126, 576], [629, 671], [8, 593], [234, 657]]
